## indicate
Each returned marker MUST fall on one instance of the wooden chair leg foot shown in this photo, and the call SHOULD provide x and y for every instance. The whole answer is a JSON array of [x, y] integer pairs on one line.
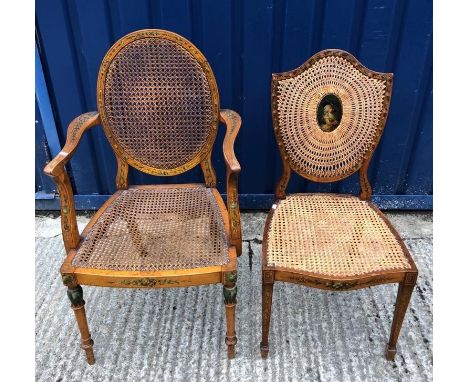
[[230, 301], [75, 294], [89, 352], [390, 354], [267, 298], [231, 351], [405, 289]]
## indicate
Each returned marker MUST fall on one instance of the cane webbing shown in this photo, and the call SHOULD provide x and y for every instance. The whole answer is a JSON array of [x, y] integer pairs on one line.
[[159, 102], [334, 154], [331, 235], [157, 229]]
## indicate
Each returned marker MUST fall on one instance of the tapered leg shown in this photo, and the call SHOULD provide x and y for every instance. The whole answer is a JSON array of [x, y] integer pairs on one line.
[[230, 301], [75, 294], [405, 289], [267, 297]]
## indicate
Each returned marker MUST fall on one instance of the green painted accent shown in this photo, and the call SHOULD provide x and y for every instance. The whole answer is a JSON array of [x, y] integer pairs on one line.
[[233, 205], [76, 296], [230, 295], [65, 210], [231, 277], [148, 283], [341, 285], [67, 279]]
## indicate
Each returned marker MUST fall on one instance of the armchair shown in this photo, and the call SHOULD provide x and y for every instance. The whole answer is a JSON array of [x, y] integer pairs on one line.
[[158, 104]]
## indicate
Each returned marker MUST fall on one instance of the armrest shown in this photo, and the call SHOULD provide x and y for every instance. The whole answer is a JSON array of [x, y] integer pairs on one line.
[[75, 131], [233, 121], [56, 169]]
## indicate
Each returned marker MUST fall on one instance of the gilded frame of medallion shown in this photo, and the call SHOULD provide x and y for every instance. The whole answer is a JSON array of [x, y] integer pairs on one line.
[[288, 164], [204, 152]]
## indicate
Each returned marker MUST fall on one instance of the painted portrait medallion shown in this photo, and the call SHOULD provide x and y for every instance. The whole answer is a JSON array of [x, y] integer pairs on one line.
[[329, 112]]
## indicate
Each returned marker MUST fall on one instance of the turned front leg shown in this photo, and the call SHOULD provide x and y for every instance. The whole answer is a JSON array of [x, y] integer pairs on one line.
[[230, 301], [75, 294]]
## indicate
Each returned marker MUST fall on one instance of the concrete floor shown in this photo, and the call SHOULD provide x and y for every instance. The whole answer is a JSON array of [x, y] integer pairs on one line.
[[178, 334]]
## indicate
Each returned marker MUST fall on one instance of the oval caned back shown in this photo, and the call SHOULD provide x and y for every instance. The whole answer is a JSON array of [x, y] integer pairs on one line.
[[158, 101], [329, 114]]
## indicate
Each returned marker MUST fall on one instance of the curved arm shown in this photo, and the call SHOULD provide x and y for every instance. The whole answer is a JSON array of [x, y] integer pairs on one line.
[[56, 170], [233, 121], [75, 131]]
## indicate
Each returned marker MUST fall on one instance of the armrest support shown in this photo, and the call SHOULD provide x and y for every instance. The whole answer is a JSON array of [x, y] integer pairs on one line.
[[56, 170], [233, 121]]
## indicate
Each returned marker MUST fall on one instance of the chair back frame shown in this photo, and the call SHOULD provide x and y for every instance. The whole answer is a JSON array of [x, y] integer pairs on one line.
[[379, 89], [202, 155]]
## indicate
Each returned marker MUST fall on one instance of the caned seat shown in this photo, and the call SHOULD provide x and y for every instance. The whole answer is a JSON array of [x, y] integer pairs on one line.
[[154, 229], [332, 235]]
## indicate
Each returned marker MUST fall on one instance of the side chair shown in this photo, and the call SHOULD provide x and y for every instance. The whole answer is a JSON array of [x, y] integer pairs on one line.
[[328, 117], [159, 106]]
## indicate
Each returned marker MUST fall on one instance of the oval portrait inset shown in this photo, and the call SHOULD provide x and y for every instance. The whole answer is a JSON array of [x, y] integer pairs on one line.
[[329, 112]]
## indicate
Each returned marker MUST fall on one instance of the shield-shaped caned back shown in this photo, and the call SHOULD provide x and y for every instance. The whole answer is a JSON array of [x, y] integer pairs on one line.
[[158, 101], [329, 114]]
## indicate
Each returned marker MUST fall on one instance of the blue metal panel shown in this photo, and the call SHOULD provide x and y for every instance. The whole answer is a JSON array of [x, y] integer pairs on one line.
[[43, 108], [59, 50], [42, 155], [411, 66], [245, 41]]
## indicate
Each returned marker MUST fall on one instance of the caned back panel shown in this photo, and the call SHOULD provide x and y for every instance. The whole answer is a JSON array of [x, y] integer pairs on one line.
[[158, 101], [322, 152]]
